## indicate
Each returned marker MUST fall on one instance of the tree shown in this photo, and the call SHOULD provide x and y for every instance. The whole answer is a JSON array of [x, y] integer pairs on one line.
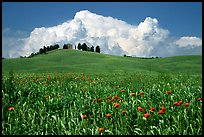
[[41, 51], [65, 46], [52, 47], [97, 49], [45, 49], [48, 48], [92, 48], [56, 46], [84, 47], [79, 46]]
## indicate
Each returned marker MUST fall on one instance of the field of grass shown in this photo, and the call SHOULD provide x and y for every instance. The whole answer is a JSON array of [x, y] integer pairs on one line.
[[97, 94], [88, 62]]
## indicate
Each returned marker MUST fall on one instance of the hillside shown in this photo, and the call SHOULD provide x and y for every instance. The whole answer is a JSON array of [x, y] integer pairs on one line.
[[79, 61]]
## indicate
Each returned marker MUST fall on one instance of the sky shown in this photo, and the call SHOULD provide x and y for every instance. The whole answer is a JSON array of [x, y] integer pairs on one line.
[[132, 28]]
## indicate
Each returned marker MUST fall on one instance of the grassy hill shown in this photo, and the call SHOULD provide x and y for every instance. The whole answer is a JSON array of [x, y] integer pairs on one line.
[[78, 61]]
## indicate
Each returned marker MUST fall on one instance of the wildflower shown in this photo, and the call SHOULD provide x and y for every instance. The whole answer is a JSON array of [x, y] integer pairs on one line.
[[161, 112], [168, 92], [147, 115], [83, 116], [163, 108], [111, 100], [11, 108], [116, 86], [176, 103], [108, 115], [180, 102], [54, 82], [140, 109], [84, 90], [116, 105], [46, 97], [152, 108], [108, 97], [99, 100], [59, 96], [186, 104], [101, 129], [141, 93], [122, 90], [49, 78], [116, 97], [123, 112], [132, 94], [199, 99], [123, 100], [92, 80]]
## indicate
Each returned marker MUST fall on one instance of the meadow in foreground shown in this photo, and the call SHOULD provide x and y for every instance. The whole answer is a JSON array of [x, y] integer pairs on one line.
[[107, 104]]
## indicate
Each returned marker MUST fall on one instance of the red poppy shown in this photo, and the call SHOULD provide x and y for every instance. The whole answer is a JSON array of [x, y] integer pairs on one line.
[[116, 86], [49, 78], [123, 111], [161, 112], [147, 115], [141, 93], [108, 115], [92, 80], [101, 129], [132, 94], [116, 105], [11, 108], [199, 99], [152, 108], [140, 109], [99, 100], [168, 92], [108, 97], [186, 104], [111, 100], [163, 108], [54, 82], [180, 102], [116, 97], [83, 116], [123, 100], [84, 90], [176, 103], [122, 90]]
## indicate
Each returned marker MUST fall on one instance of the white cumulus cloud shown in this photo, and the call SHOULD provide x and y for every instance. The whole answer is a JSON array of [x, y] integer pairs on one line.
[[114, 37], [189, 42]]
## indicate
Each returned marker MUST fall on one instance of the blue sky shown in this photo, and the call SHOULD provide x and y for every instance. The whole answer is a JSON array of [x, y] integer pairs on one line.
[[181, 18], [175, 27]]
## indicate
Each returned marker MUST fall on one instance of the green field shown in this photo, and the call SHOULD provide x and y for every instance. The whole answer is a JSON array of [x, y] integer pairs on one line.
[[79, 61], [69, 92]]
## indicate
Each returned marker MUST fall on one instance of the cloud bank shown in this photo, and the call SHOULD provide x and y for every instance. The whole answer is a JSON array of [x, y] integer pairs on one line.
[[114, 37]]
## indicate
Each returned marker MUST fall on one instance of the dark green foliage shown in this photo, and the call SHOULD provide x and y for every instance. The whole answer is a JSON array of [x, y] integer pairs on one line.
[[79, 46], [65, 46], [41, 51], [92, 48], [97, 49], [84, 47]]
